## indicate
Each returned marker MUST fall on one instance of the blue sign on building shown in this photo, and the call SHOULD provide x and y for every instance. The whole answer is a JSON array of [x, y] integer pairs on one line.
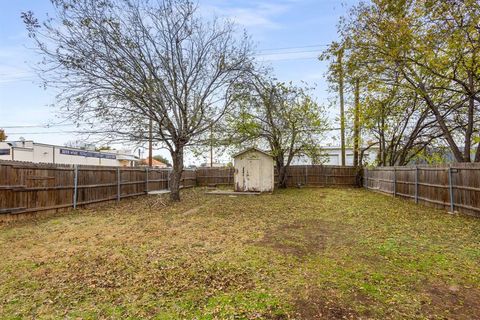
[[89, 154]]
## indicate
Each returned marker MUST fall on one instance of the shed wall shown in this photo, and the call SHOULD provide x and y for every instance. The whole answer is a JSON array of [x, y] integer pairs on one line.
[[261, 174]]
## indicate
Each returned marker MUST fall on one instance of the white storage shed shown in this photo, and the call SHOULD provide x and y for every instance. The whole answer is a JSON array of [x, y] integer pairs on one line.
[[254, 171]]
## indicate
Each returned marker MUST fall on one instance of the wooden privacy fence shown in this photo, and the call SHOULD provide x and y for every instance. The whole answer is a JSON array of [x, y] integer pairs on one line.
[[455, 188], [321, 176], [207, 176], [312, 175], [28, 187]]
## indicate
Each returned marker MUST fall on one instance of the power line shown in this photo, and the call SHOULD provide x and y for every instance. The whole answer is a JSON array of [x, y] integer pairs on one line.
[[38, 126], [287, 52], [86, 132], [46, 132], [286, 59], [299, 47]]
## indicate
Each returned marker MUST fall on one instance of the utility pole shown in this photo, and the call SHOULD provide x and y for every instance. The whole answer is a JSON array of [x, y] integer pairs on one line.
[[342, 103], [356, 124], [150, 138]]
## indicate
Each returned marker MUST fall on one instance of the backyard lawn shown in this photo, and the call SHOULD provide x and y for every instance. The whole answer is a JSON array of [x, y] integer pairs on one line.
[[296, 254]]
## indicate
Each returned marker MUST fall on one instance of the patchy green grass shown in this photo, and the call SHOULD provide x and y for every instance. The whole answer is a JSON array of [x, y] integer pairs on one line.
[[296, 254]]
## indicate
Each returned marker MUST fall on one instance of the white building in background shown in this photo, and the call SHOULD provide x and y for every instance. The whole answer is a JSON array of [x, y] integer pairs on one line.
[[332, 156], [46, 153]]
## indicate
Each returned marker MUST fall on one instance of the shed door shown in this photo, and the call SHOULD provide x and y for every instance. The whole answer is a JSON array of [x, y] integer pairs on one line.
[[252, 175]]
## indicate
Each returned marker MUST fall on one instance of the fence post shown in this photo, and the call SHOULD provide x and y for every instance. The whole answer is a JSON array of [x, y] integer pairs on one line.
[[394, 181], [326, 177], [118, 185], [168, 178], [416, 184], [306, 175], [146, 181], [450, 189], [366, 178], [75, 185]]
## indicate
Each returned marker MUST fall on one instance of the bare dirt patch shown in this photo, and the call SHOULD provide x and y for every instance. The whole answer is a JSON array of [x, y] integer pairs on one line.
[[317, 306], [452, 302], [301, 238]]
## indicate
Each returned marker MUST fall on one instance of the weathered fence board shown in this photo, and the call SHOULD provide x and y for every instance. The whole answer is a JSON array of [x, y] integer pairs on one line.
[[455, 187], [207, 176], [321, 176], [311, 175], [29, 188]]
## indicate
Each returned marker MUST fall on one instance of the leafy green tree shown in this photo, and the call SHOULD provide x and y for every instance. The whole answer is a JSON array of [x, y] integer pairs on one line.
[[279, 116], [420, 62], [400, 122], [3, 136]]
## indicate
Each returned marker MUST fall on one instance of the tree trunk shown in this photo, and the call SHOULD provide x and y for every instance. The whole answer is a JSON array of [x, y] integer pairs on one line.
[[471, 108], [282, 177], [282, 173], [448, 136], [176, 174], [382, 155], [441, 122]]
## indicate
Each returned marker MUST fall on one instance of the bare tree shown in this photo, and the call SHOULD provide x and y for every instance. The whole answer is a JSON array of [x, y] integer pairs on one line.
[[121, 64]]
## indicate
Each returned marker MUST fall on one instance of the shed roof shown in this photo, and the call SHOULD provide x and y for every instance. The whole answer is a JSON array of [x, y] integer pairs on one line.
[[250, 149]]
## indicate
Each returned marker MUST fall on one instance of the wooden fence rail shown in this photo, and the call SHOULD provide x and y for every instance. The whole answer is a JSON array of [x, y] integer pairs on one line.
[[207, 176], [455, 187], [30, 188], [308, 175], [321, 176]]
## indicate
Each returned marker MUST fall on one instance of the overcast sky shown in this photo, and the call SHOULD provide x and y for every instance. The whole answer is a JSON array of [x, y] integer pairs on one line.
[[288, 34]]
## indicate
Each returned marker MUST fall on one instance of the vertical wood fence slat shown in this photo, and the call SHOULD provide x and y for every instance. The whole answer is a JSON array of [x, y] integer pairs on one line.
[[119, 185], [366, 181], [28, 187], [147, 189], [316, 175], [394, 182], [75, 186], [416, 184], [168, 179], [452, 187]]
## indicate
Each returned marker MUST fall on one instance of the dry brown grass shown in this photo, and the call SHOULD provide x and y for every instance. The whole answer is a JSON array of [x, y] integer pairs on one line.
[[306, 254]]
